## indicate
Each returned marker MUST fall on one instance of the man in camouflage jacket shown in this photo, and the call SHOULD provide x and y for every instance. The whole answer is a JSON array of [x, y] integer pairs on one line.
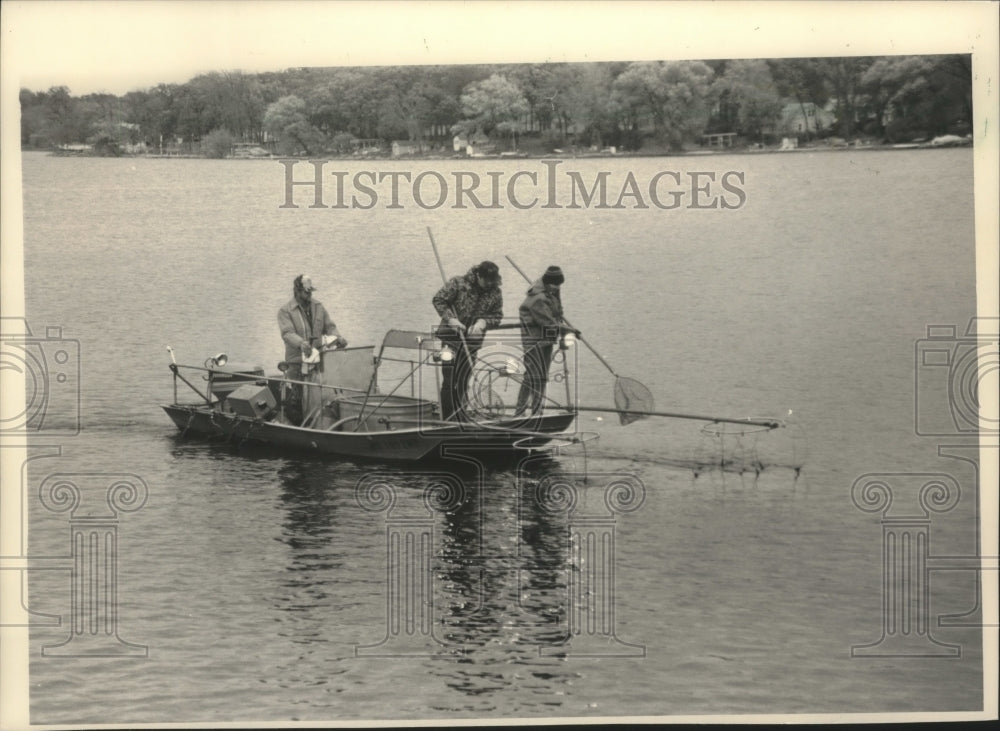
[[468, 305]]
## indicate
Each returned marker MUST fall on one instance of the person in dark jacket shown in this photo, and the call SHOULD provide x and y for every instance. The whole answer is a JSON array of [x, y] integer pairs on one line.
[[305, 325], [468, 305], [542, 324]]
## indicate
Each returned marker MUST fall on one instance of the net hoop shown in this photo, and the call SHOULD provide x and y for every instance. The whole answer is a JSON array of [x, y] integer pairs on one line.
[[631, 395], [586, 436], [540, 444], [729, 429]]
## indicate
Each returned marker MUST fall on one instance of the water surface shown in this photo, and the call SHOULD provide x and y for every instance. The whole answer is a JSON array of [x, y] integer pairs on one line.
[[253, 577]]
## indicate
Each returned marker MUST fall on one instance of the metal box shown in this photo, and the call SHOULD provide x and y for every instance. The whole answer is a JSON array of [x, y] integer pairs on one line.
[[226, 379], [255, 401]]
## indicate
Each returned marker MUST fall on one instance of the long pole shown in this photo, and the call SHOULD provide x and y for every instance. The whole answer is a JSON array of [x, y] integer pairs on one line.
[[769, 423], [444, 280]]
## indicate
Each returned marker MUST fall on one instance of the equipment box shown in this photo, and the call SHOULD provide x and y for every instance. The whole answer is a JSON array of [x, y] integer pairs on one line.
[[226, 379], [252, 400]]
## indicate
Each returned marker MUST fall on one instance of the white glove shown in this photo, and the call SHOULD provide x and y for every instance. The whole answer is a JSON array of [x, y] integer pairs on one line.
[[313, 356], [478, 327]]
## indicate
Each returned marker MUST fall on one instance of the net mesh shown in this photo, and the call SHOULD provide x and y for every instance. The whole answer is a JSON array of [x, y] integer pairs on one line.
[[487, 402], [630, 395], [747, 448]]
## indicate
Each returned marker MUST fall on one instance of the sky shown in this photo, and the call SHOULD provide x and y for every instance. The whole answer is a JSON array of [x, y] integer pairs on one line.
[[121, 46]]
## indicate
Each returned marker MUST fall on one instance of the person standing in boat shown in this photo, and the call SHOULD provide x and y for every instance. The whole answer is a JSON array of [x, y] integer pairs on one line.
[[542, 324], [305, 325], [468, 305]]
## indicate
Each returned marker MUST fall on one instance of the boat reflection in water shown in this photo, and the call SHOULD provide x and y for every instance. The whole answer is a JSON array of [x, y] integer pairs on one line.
[[488, 563], [496, 576]]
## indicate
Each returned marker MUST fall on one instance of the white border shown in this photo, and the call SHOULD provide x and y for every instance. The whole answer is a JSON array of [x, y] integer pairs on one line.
[[118, 46]]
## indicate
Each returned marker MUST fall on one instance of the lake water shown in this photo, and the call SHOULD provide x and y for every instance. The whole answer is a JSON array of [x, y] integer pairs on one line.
[[254, 578]]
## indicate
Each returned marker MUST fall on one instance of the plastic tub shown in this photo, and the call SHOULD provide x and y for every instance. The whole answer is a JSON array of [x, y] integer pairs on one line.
[[384, 413]]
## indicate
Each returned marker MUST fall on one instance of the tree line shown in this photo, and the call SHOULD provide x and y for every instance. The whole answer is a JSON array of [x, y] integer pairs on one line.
[[626, 104]]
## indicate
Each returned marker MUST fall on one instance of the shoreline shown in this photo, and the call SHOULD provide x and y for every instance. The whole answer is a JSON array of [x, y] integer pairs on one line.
[[525, 155]]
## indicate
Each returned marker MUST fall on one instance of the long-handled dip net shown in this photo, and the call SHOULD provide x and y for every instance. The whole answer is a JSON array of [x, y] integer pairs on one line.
[[633, 401], [728, 444]]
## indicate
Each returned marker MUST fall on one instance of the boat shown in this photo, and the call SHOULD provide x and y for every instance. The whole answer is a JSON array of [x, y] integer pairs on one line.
[[351, 411]]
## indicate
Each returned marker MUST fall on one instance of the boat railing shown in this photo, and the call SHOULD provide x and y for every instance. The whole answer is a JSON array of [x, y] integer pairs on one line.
[[427, 343], [249, 377]]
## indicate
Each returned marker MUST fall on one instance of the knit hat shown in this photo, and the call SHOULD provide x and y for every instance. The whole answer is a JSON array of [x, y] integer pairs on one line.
[[553, 275]]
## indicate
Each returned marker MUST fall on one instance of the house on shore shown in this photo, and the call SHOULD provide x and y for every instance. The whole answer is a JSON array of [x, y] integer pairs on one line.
[[805, 118], [470, 144], [401, 148]]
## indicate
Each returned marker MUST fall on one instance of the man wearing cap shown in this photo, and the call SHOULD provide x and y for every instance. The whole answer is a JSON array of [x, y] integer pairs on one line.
[[542, 324], [305, 325], [468, 305]]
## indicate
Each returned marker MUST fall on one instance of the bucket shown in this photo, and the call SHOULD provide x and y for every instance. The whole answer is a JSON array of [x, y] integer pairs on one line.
[[383, 413]]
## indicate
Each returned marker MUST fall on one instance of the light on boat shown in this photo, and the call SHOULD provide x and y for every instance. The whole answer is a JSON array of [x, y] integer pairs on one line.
[[445, 355], [569, 340], [217, 360]]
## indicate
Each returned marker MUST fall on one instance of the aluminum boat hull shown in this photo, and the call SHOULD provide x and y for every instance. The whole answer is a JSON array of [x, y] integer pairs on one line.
[[415, 444]]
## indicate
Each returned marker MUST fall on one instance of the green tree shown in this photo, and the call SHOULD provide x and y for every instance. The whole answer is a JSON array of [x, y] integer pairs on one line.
[[919, 96], [672, 94], [63, 119], [545, 87], [802, 80], [218, 143], [588, 102], [344, 100], [889, 83], [749, 88], [286, 120], [493, 106], [33, 120], [843, 77]]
